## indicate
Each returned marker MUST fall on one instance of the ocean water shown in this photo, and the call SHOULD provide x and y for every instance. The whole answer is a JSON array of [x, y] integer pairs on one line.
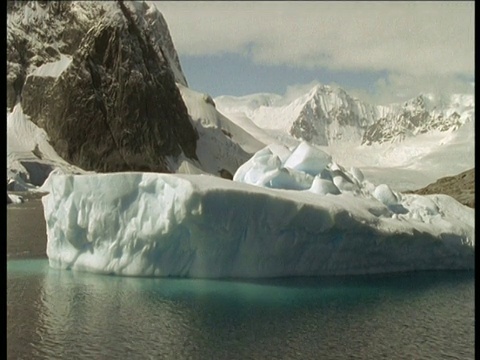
[[54, 314]]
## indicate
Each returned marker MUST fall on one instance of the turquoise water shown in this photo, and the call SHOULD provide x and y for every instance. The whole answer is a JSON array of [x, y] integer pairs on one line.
[[54, 314]]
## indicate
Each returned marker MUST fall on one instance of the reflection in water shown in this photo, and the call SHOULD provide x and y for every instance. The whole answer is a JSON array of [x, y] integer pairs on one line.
[[26, 230], [65, 314]]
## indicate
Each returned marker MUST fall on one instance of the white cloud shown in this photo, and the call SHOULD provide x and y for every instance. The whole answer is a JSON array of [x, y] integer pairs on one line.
[[397, 87], [294, 91], [420, 46], [394, 88], [414, 38]]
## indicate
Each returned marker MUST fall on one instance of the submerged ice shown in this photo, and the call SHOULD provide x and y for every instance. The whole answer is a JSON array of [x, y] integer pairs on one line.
[[289, 213]]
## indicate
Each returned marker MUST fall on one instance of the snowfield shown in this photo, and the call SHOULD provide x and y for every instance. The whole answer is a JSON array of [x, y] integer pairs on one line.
[[333, 222]]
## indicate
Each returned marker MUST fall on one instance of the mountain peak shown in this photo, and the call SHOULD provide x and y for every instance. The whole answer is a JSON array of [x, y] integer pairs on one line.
[[100, 79], [326, 113]]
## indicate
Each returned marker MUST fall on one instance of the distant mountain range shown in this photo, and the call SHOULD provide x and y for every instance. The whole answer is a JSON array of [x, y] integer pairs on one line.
[[326, 114]]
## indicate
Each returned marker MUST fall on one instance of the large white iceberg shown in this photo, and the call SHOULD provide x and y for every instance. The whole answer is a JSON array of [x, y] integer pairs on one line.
[[146, 224]]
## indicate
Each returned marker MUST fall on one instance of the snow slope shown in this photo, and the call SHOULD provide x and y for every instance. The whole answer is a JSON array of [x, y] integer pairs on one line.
[[221, 145], [30, 157], [416, 161], [202, 109], [336, 222], [53, 69]]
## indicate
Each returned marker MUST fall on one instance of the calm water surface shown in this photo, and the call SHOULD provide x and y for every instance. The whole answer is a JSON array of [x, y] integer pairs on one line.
[[55, 314]]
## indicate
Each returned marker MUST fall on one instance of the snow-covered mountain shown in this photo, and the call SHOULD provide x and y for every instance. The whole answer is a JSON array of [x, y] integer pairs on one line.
[[419, 115], [100, 79], [322, 115], [222, 146], [325, 115], [406, 145], [97, 86]]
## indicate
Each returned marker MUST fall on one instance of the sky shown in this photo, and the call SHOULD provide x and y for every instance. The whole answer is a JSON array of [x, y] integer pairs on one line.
[[378, 51]]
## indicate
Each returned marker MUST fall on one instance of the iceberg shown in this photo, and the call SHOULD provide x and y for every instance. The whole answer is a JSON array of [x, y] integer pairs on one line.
[[201, 226]]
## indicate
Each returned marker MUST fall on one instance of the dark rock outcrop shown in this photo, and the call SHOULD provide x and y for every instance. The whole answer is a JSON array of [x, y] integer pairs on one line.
[[38, 171], [115, 106], [226, 174], [461, 187]]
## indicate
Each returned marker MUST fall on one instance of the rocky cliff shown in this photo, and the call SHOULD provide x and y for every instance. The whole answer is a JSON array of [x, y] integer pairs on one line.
[[99, 77]]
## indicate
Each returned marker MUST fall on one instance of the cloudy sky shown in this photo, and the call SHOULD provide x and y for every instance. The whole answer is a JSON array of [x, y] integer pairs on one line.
[[379, 51]]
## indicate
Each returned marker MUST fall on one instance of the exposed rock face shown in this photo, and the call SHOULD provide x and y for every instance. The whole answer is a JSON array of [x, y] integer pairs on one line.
[[226, 174], [461, 187], [106, 93], [414, 117], [38, 172], [331, 115]]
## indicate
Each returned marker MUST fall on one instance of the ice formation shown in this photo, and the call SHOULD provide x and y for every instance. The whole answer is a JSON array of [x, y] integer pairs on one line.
[[147, 224]]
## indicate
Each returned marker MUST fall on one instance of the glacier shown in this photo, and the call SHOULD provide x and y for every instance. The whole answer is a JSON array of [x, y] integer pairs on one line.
[[201, 226]]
